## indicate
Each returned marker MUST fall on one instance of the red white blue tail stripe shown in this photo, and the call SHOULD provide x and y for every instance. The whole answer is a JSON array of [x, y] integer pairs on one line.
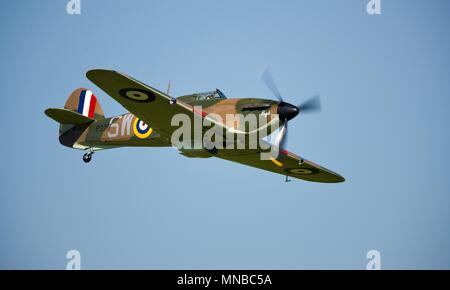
[[86, 103]]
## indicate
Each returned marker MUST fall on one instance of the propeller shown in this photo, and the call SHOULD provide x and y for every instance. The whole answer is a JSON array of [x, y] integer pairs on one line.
[[312, 105], [281, 139], [267, 78], [287, 111]]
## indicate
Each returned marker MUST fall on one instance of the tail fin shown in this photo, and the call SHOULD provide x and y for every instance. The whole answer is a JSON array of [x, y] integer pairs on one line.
[[84, 102], [80, 110]]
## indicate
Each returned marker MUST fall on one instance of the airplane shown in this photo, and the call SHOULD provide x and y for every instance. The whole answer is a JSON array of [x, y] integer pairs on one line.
[[148, 123]]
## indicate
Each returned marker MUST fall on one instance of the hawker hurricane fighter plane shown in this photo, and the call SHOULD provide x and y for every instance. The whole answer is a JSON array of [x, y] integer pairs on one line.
[[150, 123]]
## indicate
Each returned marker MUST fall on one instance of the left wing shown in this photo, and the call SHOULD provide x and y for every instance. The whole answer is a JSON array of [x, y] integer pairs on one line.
[[286, 163]]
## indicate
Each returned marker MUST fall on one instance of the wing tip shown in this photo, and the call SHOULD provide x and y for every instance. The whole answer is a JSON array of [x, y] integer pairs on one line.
[[329, 175], [48, 112], [339, 178], [335, 177], [91, 74]]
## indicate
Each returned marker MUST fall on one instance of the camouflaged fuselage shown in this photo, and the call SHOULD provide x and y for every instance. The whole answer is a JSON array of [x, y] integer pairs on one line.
[[122, 130]]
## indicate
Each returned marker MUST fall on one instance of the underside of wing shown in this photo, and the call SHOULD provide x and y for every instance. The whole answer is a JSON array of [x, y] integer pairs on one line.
[[286, 163]]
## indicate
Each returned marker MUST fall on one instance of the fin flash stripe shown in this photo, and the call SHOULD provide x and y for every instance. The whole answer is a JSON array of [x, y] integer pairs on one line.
[[86, 104]]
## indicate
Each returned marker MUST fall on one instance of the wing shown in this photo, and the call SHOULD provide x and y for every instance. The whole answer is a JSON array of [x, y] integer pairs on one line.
[[287, 163], [143, 101]]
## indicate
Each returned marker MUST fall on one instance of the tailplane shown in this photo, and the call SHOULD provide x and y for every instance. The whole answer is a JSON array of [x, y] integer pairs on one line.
[[67, 117]]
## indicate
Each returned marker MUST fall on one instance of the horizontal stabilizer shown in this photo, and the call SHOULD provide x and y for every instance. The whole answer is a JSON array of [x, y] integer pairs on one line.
[[67, 117]]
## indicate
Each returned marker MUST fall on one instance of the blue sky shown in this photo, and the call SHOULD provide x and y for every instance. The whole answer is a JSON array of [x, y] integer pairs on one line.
[[384, 83]]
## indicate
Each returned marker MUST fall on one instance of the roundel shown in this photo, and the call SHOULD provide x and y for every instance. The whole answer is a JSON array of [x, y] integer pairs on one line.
[[302, 171], [137, 95], [140, 129]]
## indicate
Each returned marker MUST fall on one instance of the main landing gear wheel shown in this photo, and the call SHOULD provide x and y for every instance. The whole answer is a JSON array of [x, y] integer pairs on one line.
[[88, 156]]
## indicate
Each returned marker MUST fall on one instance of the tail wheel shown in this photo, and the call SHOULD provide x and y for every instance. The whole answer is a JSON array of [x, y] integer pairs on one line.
[[87, 157]]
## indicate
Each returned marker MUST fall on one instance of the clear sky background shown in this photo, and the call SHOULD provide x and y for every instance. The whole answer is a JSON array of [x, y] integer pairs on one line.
[[384, 83]]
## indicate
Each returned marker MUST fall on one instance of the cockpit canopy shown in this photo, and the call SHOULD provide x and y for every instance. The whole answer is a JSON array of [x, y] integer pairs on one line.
[[199, 97], [217, 94]]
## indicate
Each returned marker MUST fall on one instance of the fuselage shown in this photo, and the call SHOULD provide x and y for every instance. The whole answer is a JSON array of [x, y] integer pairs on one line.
[[129, 130]]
